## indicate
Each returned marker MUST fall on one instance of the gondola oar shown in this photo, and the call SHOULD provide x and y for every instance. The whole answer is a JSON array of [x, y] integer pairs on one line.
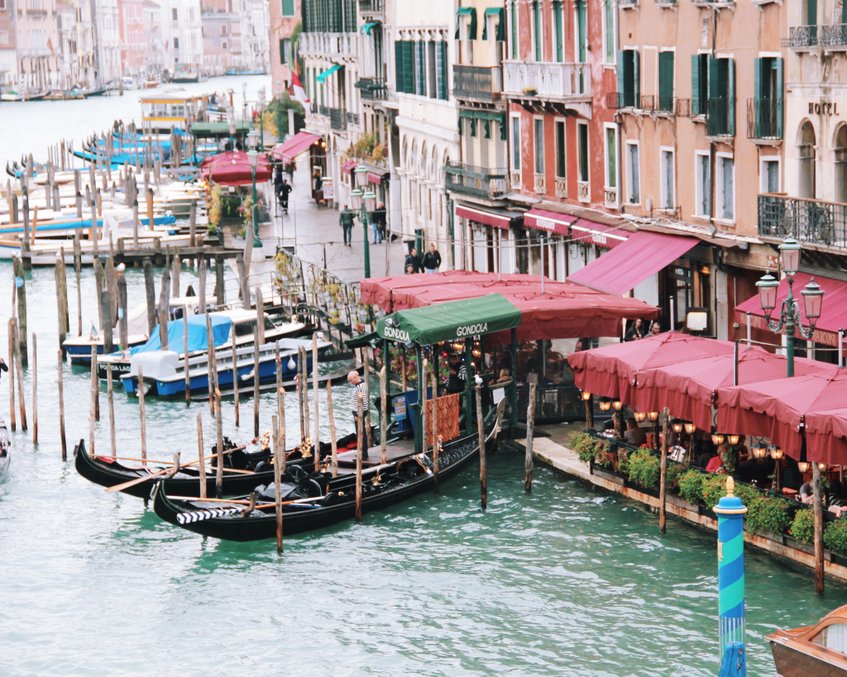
[[159, 473]]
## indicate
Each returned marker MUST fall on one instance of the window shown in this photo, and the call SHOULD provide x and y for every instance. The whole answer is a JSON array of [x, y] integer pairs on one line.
[[174, 14], [558, 30], [288, 8], [581, 23], [770, 176], [699, 83], [561, 158], [610, 32], [420, 68], [224, 45], [666, 174], [537, 35], [702, 185], [284, 50], [441, 70], [628, 92], [431, 70], [516, 143], [611, 148], [582, 151], [538, 140], [767, 104], [176, 43], [725, 178], [513, 27], [666, 61], [404, 63], [633, 177], [720, 108]]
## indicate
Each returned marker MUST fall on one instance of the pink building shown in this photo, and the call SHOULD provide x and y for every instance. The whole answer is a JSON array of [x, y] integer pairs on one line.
[[284, 18], [133, 36]]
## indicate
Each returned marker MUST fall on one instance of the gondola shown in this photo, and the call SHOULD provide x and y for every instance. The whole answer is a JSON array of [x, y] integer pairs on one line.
[[327, 500], [108, 472]]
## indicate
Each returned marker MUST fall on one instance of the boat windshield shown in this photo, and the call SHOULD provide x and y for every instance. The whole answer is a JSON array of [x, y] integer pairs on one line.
[[833, 637]]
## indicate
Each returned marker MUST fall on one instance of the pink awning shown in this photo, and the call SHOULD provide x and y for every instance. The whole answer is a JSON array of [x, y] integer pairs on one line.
[[232, 168], [631, 262], [376, 177], [552, 222], [833, 313], [487, 218], [348, 167], [597, 233], [291, 148]]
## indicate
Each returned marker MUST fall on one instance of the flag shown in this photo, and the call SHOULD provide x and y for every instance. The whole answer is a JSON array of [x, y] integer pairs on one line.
[[298, 92]]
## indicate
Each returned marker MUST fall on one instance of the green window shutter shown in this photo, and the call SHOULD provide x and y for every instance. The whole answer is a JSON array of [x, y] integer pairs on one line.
[[514, 28], [620, 78], [410, 66], [399, 83], [420, 68], [695, 85], [666, 63], [441, 69], [636, 80], [759, 106], [581, 27], [501, 25], [777, 95], [559, 33], [811, 12], [730, 96], [287, 7], [843, 11]]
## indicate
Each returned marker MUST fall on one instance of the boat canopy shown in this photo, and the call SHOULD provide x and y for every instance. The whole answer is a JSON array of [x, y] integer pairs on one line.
[[450, 321], [198, 339]]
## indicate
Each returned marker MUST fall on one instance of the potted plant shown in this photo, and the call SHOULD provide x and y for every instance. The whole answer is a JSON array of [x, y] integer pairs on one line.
[[769, 516], [644, 469], [835, 538], [802, 531], [530, 91]]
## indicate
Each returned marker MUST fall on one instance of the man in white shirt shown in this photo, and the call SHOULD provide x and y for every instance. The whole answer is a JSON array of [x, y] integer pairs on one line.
[[360, 388]]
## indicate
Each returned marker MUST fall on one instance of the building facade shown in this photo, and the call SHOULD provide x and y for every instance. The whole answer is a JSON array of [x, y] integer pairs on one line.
[[284, 16], [134, 46]]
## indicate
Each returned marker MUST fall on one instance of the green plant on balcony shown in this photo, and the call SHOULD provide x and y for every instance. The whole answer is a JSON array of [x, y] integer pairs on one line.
[[363, 148], [530, 91], [378, 154], [803, 526], [214, 209]]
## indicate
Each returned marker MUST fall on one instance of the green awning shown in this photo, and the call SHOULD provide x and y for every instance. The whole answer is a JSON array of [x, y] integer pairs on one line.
[[450, 321], [497, 12], [217, 129], [321, 77], [361, 340], [470, 12], [369, 26]]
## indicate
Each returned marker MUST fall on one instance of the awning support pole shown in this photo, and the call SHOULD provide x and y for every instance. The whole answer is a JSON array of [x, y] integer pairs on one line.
[[513, 388], [418, 408], [840, 347], [672, 325], [469, 376], [749, 332]]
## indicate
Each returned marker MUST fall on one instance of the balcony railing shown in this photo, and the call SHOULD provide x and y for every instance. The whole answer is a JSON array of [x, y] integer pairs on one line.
[[352, 118], [646, 103], [332, 45], [804, 219], [719, 112], [337, 119], [372, 6], [800, 37], [477, 82], [833, 37], [484, 182], [372, 89], [763, 118], [546, 80]]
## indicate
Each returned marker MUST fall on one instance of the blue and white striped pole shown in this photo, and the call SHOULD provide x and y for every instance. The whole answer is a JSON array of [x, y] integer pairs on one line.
[[730, 511]]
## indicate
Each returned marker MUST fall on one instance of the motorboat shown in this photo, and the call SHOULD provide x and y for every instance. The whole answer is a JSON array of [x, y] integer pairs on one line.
[[819, 650]]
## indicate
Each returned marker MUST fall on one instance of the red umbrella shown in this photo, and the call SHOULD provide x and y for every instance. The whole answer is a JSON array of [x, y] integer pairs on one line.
[[688, 388], [778, 409], [611, 371], [232, 168]]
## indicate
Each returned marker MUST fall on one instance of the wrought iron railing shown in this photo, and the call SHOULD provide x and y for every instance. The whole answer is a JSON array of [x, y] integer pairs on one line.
[[337, 119], [802, 36], [833, 37], [482, 182], [372, 6], [804, 219], [477, 82], [372, 89], [763, 118], [719, 111]]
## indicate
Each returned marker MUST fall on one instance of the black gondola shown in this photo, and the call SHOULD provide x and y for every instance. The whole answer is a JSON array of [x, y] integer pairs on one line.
[[328, 500], [106, 472]]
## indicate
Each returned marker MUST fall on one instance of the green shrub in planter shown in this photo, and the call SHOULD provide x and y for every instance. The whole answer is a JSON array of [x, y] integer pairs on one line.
[[768, 515], [803, 526], [714, 489], [623, 461], [675, 471], [691, 486], [746, 492], [584, 445], [835, 536], [643, 469]]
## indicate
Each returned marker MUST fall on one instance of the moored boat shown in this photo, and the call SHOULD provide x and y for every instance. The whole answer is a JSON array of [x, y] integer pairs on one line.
[[819, 650]]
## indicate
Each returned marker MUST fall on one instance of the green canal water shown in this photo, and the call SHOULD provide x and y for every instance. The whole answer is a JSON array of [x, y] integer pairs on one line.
[[567, 580]]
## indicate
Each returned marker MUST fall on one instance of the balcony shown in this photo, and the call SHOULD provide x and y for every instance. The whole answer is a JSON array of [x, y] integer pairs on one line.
[[833, 37], [372, 7], [645, 103], [331, 45], [337, 119], [479, 83], [568, 83], [764, 118], [720, 112], [805, 219], [372, 89], [802, 37], [483, 182]]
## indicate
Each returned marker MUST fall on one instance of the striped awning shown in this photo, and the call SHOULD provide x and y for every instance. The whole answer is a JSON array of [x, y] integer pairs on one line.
[[321, 77]]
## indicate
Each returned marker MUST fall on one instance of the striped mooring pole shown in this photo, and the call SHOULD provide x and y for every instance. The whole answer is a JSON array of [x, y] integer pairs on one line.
[[730, 511]]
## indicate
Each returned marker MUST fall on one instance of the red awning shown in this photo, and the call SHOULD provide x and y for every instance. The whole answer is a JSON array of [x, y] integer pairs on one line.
[[600, 234], [233, 169], [631, 262], [688, 388], [376, 177], [833, 314], [291, 148], [612, 371], [487, 218], [551, 222], [348, 167], [778, 409], [561, 310]]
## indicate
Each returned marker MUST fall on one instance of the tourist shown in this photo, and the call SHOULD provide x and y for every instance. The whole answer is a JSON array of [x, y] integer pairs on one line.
[[655, 328], [414, 260], [317, 187], [378, 221], [360, 389], [790, 475], [807, 496], [3, 366], [636, 331], [282, 195], [432, 259], [633, 434], [346, 221], [717, 464]]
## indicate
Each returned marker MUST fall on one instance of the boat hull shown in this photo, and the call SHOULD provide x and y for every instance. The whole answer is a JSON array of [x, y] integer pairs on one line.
[[791, 662]]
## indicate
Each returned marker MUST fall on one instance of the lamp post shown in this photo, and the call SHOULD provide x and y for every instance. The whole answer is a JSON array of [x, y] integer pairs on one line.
[[260, 108], [279, 116], [789, 324], [365, 202], [253, 156], [230, 117]]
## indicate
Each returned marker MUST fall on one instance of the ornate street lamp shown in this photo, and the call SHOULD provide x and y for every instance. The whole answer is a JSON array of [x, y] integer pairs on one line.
[[260, 108], [253, 156], [364, 200]]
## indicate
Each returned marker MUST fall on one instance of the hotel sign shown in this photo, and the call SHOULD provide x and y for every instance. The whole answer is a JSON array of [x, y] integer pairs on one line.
[[827, 108]]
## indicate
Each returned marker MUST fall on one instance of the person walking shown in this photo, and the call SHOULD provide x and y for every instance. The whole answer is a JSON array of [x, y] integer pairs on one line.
[[282, 195], [360, 388], [432, 259], [378, 221], [346, 221], [413, 260]]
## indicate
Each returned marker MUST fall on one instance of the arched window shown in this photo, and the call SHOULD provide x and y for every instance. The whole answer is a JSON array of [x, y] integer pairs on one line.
[[841, 164], [806, 159]]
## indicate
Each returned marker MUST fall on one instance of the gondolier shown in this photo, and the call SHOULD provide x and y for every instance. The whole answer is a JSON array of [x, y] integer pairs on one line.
[[3, 366], [360, 389]]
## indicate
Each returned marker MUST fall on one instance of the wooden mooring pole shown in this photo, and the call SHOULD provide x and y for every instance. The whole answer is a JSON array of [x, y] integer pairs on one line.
[[359, 442], [278, 453], [435, 438], [110, 399], [256, 402], [483, 467], [333, 440], [142, 412], [34, 389], [19, 376], [663, 475], [201, 457], [60, 386], [316, 434], [235, 384], [20, 284], [530, 432], [61, 297], [13, 417]]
